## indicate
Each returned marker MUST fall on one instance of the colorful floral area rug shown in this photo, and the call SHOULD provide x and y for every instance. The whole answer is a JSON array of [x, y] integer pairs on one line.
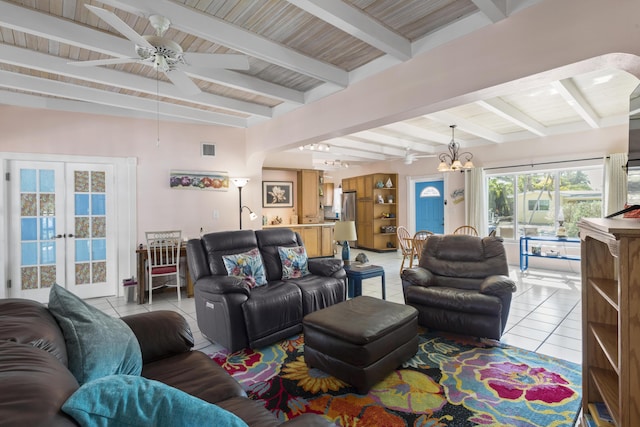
[[451, 381]]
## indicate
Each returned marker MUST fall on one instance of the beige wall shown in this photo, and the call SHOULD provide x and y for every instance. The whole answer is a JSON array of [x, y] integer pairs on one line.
[[158, 206]]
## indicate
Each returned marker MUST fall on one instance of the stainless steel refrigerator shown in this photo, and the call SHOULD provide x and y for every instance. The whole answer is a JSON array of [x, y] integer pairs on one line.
[[348, 212]]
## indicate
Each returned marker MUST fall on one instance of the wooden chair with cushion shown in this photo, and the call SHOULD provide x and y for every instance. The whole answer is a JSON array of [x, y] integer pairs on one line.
[[406, 245], [419, 240], [467, 230], [163, 255]]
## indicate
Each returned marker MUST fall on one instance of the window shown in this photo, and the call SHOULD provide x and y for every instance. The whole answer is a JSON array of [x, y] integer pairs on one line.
[[538, 205], [532, 204]]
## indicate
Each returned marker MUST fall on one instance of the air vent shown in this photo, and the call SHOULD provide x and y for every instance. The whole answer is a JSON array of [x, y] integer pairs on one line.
[[208, 150]]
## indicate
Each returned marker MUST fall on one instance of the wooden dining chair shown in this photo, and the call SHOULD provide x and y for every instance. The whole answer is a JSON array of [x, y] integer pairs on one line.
[[163, 257], [466, 230], [419, 240], [406, 244]]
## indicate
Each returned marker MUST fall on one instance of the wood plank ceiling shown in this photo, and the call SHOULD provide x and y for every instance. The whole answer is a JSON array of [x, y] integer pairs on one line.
[[298, 52]]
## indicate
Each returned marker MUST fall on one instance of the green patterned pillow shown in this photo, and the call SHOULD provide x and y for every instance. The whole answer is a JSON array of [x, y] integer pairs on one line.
[[127, 400], [295, 262], [248, 265], [97, 344]]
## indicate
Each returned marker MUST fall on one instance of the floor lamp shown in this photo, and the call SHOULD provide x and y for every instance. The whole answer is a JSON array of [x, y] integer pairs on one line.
[[345, 231], [241, 182]]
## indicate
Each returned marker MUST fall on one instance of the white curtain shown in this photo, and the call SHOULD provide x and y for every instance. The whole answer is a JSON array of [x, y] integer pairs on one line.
[[474, 200], [615, 182]]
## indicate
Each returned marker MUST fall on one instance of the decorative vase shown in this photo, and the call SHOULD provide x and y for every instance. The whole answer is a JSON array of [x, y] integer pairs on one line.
[[379, 184], [389, 183]]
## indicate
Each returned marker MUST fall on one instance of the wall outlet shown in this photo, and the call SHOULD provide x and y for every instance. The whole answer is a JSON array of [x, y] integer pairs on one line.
[[216, 214]]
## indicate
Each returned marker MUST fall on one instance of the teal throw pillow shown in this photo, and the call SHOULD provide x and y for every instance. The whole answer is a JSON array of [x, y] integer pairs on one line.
[[127, 400], [248, 265], [295, 262], [97, 344]]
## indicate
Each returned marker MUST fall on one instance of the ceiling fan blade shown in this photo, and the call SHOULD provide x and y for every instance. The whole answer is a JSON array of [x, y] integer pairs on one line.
[[110, 61], [231, 61], [183, 82], [119, 25]]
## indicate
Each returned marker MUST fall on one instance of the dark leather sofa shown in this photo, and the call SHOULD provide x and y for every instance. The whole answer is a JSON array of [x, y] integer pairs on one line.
[[461, 285], [236, 316], [35, 381]]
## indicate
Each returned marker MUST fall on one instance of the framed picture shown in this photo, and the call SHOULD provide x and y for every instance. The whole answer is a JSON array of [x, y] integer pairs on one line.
[[277, 194], [213, 181]]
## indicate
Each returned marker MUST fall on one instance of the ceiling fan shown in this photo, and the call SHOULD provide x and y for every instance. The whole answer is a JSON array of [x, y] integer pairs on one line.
[[164, 54], [410, 157]]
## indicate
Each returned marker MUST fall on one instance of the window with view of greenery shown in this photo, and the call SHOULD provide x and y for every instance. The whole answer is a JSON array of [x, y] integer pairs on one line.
[[532, 203]]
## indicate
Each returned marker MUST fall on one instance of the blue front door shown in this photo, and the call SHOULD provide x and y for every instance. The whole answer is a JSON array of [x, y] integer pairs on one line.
[[430, 206]]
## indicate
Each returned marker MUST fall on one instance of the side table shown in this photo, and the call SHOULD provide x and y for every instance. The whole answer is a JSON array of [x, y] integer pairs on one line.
[[356, 272]]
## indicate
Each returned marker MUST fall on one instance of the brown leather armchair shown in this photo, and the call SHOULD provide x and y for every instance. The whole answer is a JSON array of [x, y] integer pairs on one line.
[[461, 285]]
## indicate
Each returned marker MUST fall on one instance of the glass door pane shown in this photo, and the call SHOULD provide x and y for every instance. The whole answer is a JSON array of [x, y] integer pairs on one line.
[[37, 211]]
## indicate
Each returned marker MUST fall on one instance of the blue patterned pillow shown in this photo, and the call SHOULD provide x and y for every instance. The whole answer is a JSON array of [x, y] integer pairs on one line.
[[295, 262], [127, 400], [248, 265]]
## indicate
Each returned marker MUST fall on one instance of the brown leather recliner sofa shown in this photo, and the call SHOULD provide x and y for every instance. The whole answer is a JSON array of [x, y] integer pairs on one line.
[[231, 313], [461, 285], [35, 381]]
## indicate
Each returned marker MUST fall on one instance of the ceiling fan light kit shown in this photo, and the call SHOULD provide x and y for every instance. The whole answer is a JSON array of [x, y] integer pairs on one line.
[[163, 54], [452, 161]]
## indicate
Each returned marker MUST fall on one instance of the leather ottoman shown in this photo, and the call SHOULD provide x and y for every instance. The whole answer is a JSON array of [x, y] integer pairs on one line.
[[361, 340]]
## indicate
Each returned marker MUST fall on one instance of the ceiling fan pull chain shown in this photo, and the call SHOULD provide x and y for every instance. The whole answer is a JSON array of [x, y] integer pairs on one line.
[[158, 107]]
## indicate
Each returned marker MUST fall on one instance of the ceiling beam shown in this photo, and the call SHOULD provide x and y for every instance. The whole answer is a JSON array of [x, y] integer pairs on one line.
[[467, 126], [495, 10], [374, 136], [357, 24], [417, 132], [218, 31], [355, 153], [366, 146], [512, 114], [570, 93], [64, 90], [28, 100]]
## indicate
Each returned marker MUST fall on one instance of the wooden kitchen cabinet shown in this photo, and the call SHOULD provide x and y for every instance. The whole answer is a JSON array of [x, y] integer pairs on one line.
[[318, 239], [328, 193], [312, 239], [327, 244], [309, 201]]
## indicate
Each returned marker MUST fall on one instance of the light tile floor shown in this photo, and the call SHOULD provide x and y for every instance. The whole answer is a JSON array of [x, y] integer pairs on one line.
[[545, 314]]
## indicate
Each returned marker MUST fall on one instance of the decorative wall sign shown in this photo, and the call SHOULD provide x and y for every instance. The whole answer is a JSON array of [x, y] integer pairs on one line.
[[458, 196], [277, 194], [214, 181]]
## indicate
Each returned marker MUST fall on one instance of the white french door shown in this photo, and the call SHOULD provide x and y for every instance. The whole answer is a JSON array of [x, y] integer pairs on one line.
[[62, 229]]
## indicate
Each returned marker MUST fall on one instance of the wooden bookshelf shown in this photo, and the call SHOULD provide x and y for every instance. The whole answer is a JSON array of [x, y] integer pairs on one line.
[[373, 216], [610, 253]]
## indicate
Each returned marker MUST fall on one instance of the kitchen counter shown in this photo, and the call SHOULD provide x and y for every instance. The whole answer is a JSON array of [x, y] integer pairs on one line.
[[317, 238], [320, 224]]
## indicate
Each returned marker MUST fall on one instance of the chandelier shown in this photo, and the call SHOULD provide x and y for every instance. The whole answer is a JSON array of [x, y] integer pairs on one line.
[[452, 161]]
